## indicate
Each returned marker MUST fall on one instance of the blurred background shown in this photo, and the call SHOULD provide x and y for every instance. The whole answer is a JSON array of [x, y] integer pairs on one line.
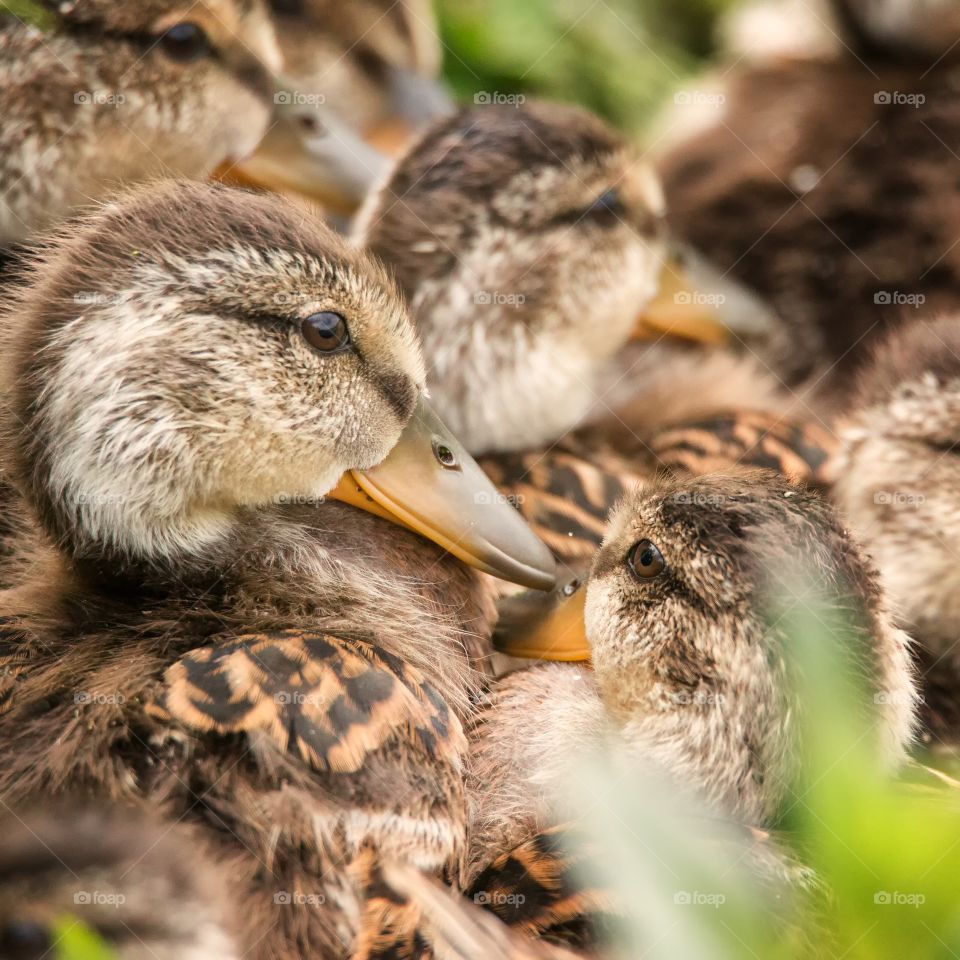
[[620, 58]]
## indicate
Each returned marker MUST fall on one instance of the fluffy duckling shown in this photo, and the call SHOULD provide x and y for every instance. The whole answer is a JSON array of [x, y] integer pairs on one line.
[[118, 92], [814, 208], [689, 671], [93, 882], [376, 64], [897, 479], [511, 231], [531, 246], [96, 93], [211, 629]]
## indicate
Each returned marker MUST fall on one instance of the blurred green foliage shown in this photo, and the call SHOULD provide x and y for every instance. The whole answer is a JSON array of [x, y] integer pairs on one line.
[[29, 11], [621, 58]]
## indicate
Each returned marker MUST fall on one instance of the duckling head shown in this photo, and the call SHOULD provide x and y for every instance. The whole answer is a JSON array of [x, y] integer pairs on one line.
[[687, 646], [528, 240], [120, 92], [897, 479], [376, 63], [193, 350], [191, 353], [683, 614]]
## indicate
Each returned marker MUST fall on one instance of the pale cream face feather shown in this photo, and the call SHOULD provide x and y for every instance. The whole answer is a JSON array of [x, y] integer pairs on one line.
[[179, 387]]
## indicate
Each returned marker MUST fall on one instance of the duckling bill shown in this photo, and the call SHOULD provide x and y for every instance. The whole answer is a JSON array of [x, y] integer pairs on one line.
[[429, 484]]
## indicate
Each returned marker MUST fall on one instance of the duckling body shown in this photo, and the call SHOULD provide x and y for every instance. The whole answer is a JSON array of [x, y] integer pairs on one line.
[[204, 629]]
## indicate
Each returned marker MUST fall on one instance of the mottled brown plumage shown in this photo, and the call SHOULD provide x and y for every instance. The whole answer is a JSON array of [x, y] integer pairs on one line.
[[843, 219], [198, 626], [566, 492]]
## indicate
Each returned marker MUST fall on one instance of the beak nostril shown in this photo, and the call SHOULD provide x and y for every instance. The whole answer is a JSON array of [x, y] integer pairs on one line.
[[445, 456]]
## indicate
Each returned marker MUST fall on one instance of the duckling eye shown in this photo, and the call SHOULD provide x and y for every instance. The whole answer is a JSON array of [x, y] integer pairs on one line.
[[607, 207], [185, 43], [326, 332], [645, 560], [25, 940]]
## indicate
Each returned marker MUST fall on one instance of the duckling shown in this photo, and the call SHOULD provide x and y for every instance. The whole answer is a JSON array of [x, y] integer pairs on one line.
[[509, 229], [814, 208], [95, 94], [896, 478], [211, 629], [85, 881], [688, 674], [376, 64], [112, 92]]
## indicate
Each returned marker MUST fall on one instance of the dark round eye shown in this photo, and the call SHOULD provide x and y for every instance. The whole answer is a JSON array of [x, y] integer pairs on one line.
[[645, 560], [185, 43], [569, 589], [326, 332], [24, 940], [608, 206], [445, 455]]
